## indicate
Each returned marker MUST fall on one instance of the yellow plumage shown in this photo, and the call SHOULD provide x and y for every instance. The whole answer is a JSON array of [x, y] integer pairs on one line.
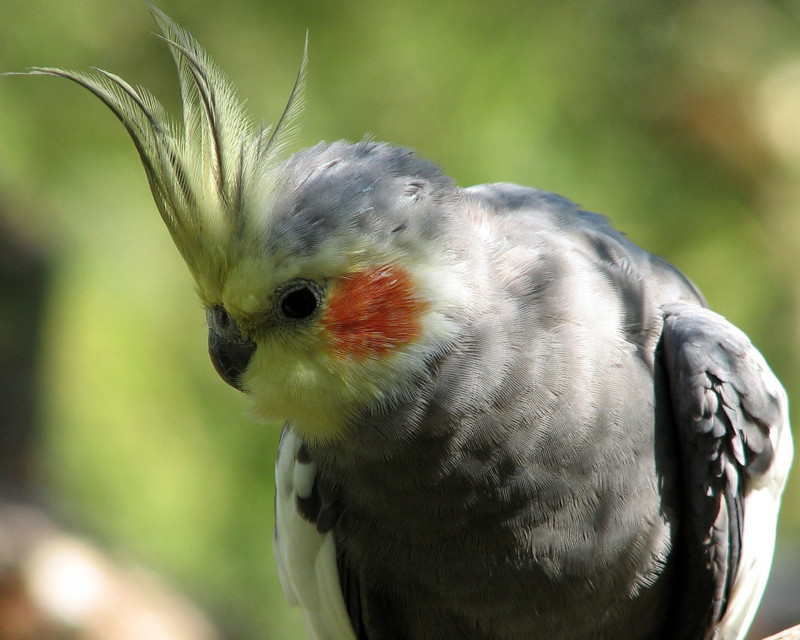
[[210, 174]]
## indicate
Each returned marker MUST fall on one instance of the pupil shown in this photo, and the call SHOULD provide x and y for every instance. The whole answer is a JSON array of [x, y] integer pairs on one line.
[[299, 304]]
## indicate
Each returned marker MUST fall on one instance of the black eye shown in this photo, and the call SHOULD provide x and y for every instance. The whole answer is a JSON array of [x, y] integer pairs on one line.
[[300, 302]]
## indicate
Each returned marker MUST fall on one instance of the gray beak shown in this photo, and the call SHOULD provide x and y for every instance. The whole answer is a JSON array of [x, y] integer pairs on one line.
[[230, 352]]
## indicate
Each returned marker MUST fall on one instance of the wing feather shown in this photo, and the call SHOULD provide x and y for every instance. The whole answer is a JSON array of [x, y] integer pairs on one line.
[[306, 558], [733, 434]]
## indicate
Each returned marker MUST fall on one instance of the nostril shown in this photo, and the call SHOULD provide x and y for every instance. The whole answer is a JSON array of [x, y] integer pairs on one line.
[[220, 321], [224, 319]]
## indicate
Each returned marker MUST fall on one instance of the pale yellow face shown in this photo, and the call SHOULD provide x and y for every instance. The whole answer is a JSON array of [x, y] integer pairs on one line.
[[372, 325]]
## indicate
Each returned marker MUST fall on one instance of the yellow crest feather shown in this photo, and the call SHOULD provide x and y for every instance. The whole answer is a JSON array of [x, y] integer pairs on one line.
[[206, 172]]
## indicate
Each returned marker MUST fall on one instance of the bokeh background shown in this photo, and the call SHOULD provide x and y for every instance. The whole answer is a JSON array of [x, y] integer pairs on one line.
[[678, 120]]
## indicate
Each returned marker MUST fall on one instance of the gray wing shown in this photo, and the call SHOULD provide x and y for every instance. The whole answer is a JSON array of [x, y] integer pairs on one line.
[[730, 414]]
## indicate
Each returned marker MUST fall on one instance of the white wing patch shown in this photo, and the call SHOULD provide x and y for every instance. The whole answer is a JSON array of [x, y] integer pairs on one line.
[[761, 505], [306, 559]]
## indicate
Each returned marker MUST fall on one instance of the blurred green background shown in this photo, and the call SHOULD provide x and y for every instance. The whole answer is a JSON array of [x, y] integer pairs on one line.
[[678, 120]]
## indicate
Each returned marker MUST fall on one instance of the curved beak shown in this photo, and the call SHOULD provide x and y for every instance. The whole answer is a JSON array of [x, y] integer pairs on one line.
[[230, 357]]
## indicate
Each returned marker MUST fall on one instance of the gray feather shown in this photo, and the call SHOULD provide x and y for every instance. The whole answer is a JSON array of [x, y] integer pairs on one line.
[[575, 465], [723, 416]]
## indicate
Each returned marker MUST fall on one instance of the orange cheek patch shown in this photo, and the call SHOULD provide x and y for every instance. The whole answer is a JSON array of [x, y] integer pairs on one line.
[[372, 312]]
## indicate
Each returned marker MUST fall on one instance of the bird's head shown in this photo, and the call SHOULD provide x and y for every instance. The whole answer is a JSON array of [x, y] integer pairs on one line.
[[330, 279], [335, 299]]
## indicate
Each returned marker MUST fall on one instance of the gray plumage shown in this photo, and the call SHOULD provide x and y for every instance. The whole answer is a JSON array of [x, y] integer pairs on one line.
[[505, 421], [575, 465]]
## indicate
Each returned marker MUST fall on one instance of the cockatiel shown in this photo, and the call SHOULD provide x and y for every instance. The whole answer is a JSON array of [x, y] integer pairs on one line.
[[503, 419]]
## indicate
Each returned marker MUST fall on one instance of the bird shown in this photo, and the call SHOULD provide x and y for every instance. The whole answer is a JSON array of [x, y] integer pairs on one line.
[[503, 419]]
